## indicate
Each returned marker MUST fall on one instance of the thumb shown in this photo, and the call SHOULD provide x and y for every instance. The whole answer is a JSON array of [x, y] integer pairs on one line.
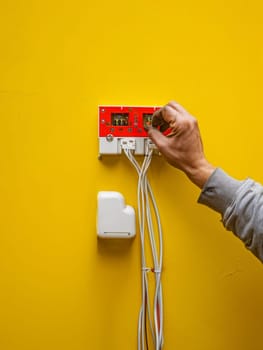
[[157, 137]]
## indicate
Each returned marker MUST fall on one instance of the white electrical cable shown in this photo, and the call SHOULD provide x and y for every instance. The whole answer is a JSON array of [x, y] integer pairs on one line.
[[141, 215], [147, 208]]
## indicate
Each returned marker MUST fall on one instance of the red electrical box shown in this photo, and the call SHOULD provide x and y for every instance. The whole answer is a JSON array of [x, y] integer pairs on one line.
[[123, 122]]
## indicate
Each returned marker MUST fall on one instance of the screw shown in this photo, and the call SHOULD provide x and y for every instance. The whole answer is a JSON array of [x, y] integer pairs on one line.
[[109, 137]]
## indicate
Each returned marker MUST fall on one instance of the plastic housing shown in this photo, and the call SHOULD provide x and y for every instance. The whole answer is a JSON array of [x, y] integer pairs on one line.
[[114, 218]]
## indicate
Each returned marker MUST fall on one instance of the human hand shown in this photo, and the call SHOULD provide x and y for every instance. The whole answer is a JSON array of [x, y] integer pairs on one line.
[[182, 147]]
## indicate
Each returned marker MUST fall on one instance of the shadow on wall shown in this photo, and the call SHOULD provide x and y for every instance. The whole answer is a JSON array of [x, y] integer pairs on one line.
[[114, 247]]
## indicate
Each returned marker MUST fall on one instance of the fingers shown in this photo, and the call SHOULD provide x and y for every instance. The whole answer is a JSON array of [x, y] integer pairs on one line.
[[176, 106], [158, 138], [170, 113], [157, 118], [162, 118]]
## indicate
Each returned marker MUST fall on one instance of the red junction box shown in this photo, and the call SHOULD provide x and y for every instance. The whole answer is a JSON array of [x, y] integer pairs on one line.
[[124, 121]]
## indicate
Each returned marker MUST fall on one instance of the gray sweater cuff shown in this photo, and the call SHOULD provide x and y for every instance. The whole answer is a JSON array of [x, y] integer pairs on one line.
[[219, 191]]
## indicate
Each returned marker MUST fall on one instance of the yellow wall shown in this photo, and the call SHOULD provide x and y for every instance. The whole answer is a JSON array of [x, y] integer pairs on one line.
[[59, 288]]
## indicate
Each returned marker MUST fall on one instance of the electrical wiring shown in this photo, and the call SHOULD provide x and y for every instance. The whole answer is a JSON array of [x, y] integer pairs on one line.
[[150, 322]]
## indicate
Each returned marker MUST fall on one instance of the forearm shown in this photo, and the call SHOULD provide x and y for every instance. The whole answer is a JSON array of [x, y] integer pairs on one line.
[[241, 205], [239, 202]]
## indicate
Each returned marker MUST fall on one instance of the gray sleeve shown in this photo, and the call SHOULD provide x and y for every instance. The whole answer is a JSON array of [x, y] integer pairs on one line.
[[240, 204]]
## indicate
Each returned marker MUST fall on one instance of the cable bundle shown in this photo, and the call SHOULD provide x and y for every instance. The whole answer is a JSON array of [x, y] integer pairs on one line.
[[150, 322]]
